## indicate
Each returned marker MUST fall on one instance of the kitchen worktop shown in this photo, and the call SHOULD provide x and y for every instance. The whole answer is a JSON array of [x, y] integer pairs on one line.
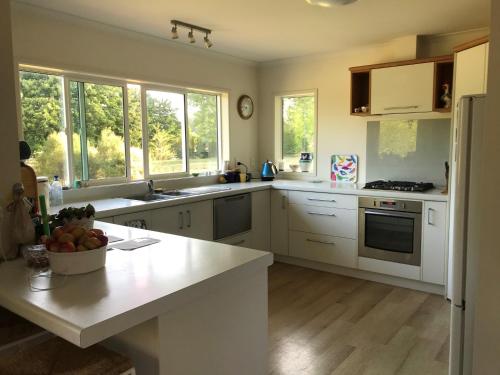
[[135, 286], [117, 206]]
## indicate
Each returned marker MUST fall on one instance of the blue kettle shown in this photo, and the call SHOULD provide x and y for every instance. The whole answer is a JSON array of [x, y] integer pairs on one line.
[[268, 172]]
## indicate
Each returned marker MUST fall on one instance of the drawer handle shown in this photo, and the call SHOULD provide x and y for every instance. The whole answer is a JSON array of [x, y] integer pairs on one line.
[[188, 213], [430, 220], [321, 200], [181, 220], [403, 107], [321, 214], [238, 243], [321, 242]]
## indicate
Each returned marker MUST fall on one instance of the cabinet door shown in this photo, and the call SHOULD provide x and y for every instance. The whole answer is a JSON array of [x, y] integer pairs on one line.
[[169, 220], [402, 89], [198, 220], [470, 71], [136, 220], [279, 221], [261, 216], [434, 242]]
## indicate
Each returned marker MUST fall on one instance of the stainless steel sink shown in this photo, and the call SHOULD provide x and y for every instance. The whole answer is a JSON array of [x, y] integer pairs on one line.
[[149, 197], [176, 193]]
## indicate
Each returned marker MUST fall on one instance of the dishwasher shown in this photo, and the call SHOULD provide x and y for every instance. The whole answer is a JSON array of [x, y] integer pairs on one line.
[[232, 215]]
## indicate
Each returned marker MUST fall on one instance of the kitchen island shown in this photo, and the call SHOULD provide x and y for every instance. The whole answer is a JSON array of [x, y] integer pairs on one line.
[[180, 306]]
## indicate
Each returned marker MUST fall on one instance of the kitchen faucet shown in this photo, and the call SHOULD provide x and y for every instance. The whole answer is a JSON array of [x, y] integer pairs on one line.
[[151, 189]]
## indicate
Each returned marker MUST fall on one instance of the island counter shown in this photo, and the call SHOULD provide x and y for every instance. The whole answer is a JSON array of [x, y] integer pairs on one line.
[[181, 306]]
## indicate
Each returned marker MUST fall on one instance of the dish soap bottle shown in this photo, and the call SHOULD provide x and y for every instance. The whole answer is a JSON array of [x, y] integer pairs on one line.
[[56, 193]]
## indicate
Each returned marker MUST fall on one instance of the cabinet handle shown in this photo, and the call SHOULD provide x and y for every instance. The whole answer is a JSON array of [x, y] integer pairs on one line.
[[402, 107], [429, 212], [321, 214], [321, 242], [321, 200], [283, 202], [238, 243], [181, 220], [188, 212]]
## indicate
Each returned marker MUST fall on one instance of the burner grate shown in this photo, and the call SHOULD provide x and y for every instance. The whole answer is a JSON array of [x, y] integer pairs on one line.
[[400, 185]]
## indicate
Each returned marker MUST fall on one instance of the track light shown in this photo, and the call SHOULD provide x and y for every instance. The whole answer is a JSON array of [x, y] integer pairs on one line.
[[192, 28], [208, 43], [175, 35], [191, 37]]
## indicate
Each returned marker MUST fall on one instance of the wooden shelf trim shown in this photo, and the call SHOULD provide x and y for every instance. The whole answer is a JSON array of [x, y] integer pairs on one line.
[[471, 44], [367, 68]]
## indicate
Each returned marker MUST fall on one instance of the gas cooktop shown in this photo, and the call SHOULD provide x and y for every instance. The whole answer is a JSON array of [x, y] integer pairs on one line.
[[400, 185]]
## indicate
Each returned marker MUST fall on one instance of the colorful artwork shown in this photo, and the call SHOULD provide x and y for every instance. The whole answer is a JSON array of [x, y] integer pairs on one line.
[[344, 168]]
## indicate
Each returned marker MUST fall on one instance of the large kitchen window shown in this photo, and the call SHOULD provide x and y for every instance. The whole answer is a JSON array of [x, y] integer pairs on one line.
[[97, 130], [296, 127]]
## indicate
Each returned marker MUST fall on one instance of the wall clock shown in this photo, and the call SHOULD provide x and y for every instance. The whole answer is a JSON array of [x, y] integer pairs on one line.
[[245, 107]]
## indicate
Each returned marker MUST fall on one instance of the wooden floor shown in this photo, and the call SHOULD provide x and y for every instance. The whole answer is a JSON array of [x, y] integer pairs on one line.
[[322, 323]]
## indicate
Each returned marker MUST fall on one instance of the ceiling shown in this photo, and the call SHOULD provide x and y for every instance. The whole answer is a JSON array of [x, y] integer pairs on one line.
[[264, 30]]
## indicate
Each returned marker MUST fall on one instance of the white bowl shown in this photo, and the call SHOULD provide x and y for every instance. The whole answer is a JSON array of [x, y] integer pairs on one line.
[[77, 262]]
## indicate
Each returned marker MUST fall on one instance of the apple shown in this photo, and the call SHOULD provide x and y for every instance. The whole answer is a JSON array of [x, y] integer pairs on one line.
[[90, 233], [57, 232], [77, 232], [97, 232], [92, 243], [83, 239], [66, 237], [54, 247], [81, 248], [67, 247], [103, 239]]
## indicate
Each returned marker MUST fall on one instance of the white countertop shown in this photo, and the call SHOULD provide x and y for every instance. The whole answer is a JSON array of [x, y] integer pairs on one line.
[[134, 287], [118, 206]]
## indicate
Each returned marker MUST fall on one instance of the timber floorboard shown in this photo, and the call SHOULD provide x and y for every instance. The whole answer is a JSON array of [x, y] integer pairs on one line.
[[323, 323]]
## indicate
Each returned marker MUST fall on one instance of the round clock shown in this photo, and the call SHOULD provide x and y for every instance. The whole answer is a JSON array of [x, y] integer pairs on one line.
[[245, 107]]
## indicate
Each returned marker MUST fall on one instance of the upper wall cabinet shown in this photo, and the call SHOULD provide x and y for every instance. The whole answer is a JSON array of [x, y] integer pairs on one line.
[[402, 87]]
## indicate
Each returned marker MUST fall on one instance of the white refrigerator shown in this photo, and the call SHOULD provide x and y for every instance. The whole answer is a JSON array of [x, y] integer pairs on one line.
[[464, 210]]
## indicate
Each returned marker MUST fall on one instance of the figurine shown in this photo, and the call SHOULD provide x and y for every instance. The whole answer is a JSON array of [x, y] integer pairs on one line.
[[446, 97]]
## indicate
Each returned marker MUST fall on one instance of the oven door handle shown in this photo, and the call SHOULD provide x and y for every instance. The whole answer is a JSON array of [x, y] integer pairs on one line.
[[393, 213]]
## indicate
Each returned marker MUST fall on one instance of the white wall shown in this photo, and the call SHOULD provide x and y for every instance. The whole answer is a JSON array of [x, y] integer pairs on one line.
[[486, 360], [9, 154], [338, 131], [52, 39]]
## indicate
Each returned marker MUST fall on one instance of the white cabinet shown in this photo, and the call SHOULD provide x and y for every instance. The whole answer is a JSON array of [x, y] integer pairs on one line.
[[324, 220], [402, 89], [279, 221], [434, 242], [471, 68], [324, 199], [137, 220], [242, 240], [191, 220], [261, 216], [326, 249]]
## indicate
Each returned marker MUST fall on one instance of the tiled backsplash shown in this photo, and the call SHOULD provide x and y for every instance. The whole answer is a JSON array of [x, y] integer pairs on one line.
[[413, 150]]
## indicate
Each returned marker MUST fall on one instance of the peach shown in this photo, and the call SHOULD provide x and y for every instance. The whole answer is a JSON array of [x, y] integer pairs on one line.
[[77, 232], [67, 247], [66, 237], [81, 248], [54, 247], [92, 243], [57, 232]]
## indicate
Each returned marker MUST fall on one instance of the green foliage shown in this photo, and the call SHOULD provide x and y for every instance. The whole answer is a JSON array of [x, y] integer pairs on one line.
[[202, 125], [49, 159], [298, 125]]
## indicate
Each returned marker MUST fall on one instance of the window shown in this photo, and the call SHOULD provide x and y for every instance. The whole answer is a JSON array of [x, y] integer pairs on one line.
[[118, 131], [296, 127]]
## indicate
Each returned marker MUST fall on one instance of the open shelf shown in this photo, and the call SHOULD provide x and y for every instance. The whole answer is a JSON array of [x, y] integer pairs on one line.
[[360, 92], [443, 73]]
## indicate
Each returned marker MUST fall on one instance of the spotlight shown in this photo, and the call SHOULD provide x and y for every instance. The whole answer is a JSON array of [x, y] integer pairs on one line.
[[175, 35], [208, 43], [191, 37]]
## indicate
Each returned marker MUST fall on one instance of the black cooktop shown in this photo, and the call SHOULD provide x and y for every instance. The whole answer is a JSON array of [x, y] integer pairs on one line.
[[400, 185]]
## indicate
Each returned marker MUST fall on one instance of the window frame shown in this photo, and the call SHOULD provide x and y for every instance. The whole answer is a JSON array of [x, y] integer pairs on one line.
[[278, 127], [67, 76]]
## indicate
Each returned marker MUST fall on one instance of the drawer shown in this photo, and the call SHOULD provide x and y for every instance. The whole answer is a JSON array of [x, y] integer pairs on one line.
[[326, 249], [324, 199], [337, 222], [242, 239]]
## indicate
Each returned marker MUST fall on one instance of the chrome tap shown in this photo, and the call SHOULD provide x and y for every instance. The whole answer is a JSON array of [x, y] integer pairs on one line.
[[151, 189]]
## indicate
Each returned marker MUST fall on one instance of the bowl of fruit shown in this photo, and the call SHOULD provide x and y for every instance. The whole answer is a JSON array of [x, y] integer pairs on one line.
[[74, 249]]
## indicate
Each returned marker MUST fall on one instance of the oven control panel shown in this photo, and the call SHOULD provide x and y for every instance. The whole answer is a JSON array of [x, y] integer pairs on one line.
[[390, 204]]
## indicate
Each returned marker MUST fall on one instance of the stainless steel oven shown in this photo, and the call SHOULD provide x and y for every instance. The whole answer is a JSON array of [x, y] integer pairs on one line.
[[390, 230]]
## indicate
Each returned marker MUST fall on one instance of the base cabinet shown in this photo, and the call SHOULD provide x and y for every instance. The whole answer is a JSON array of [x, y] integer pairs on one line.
[[279, 222], [327, 249], [136, 220], [434, 242], [191, 220], [261, 225]]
